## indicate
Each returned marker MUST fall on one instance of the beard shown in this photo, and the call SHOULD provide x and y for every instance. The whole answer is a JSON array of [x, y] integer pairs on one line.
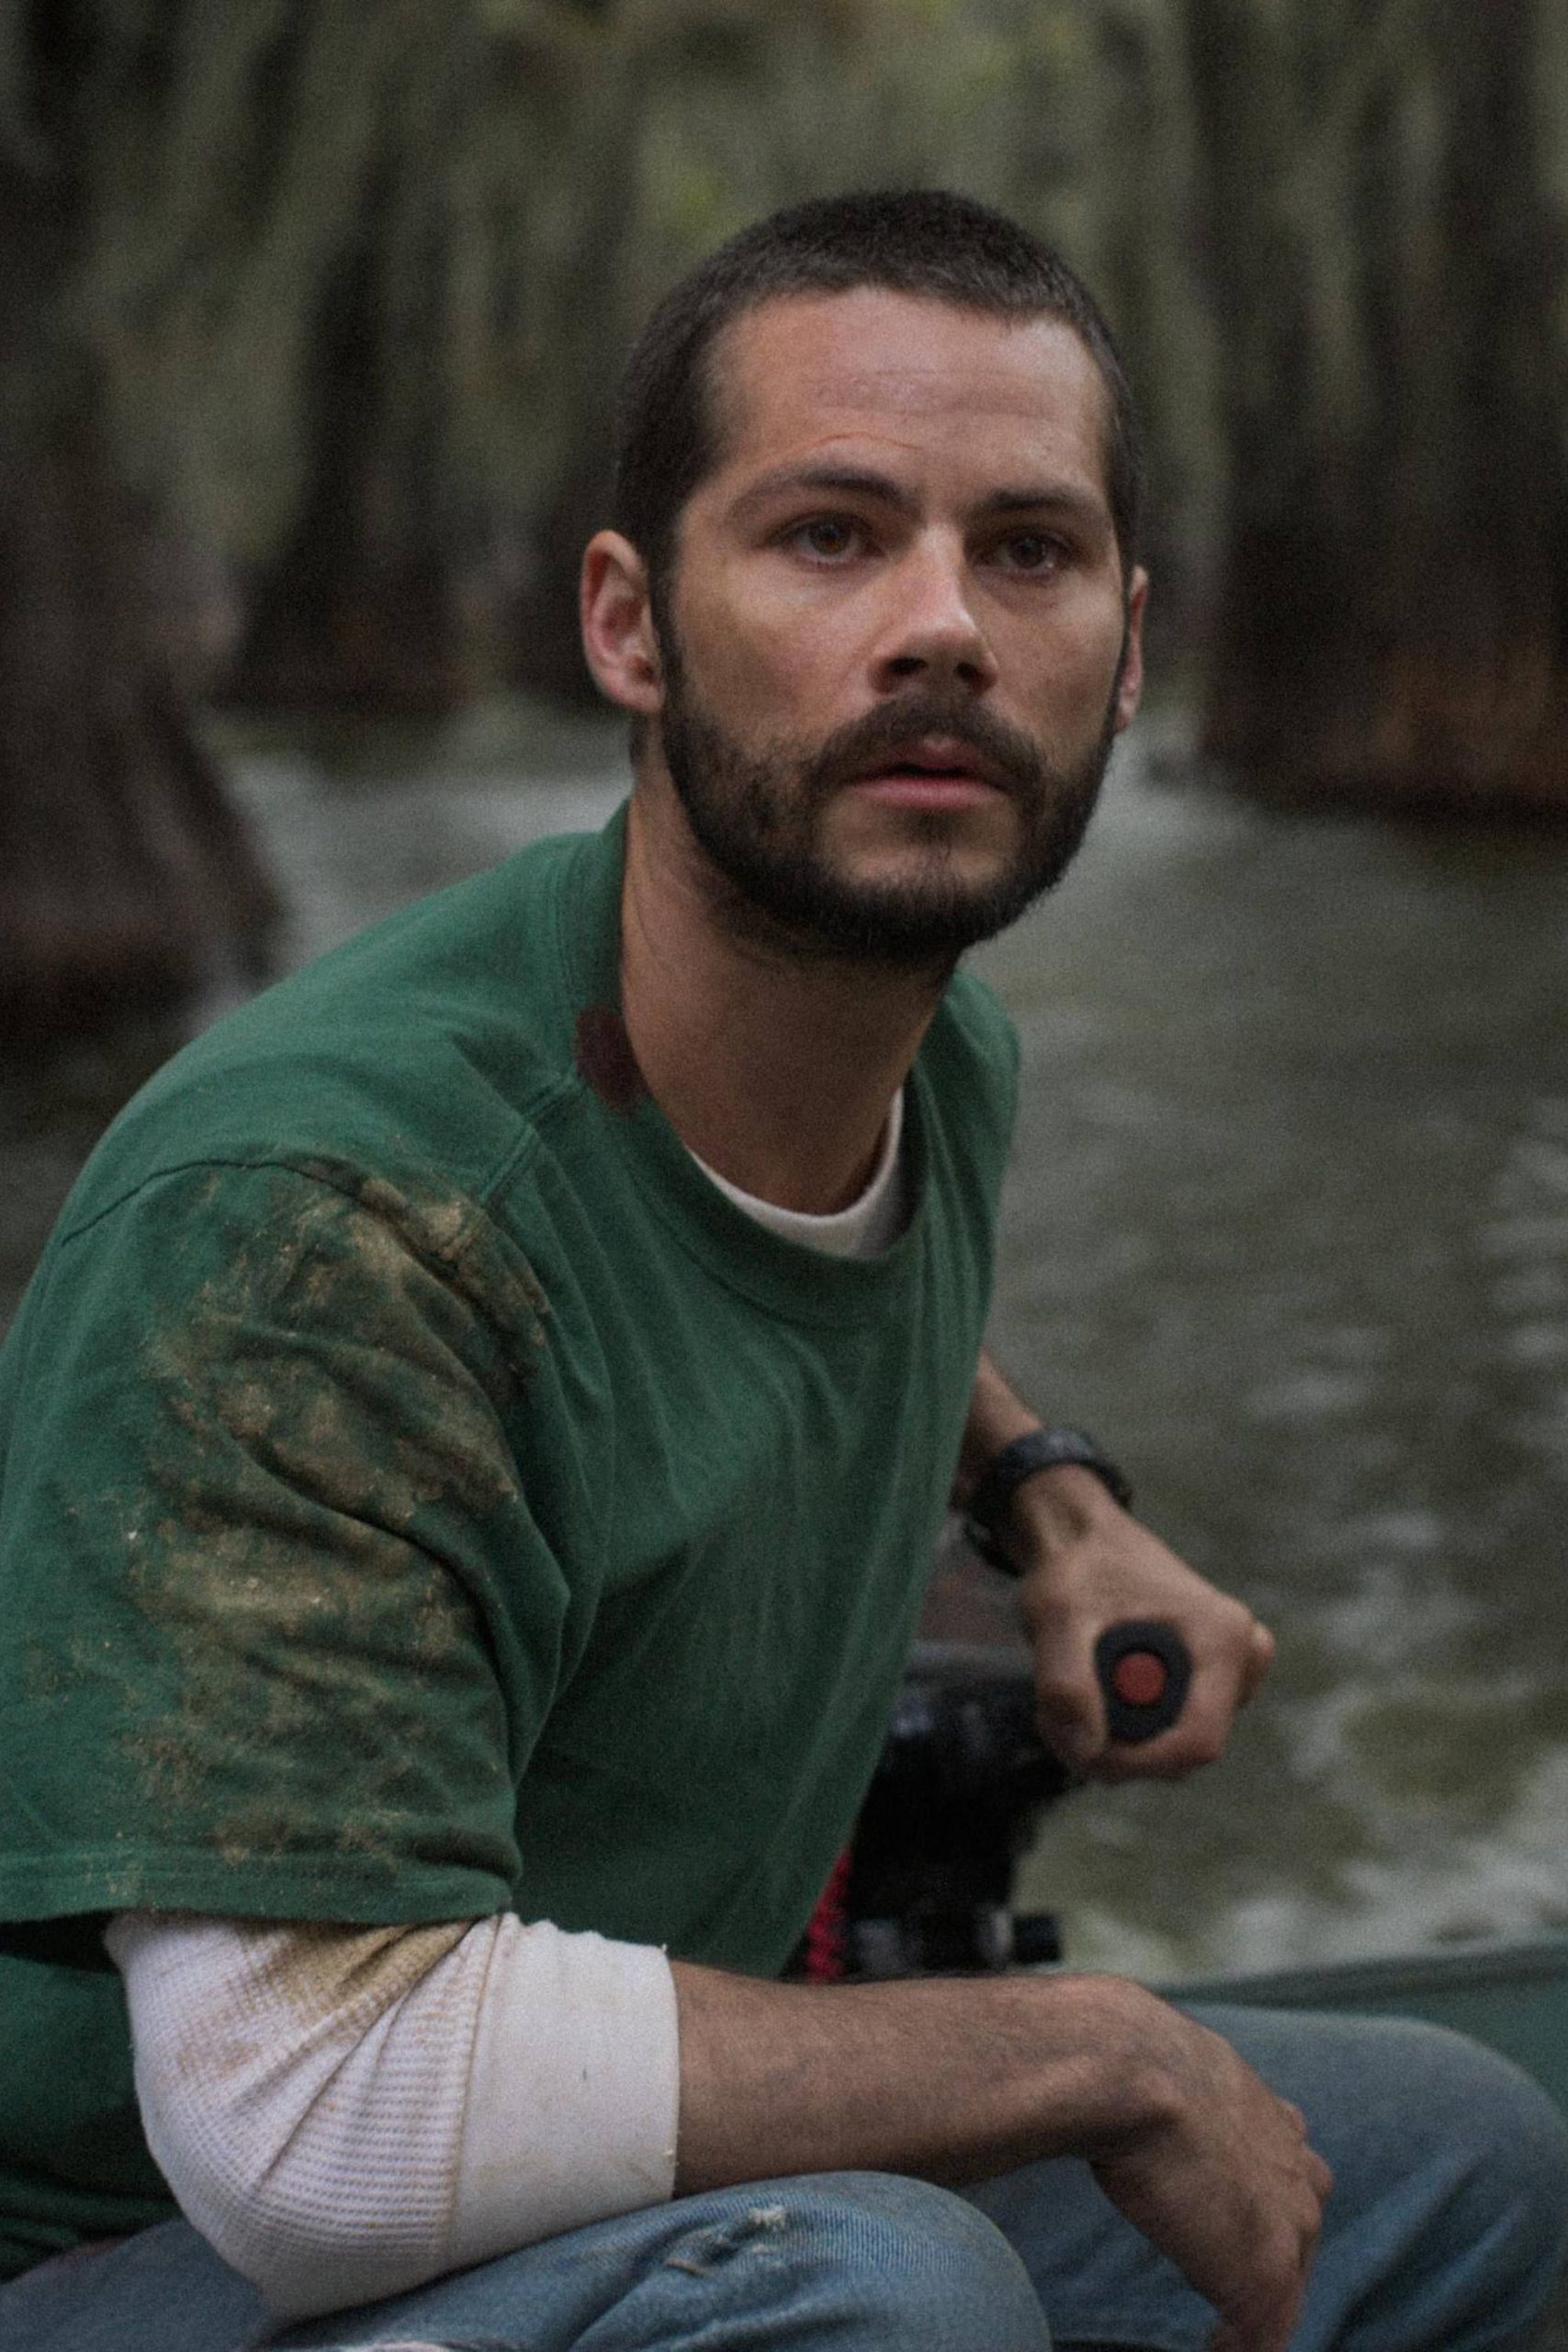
[[758, 819]]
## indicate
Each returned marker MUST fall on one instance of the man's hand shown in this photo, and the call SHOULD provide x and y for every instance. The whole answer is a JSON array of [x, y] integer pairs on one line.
[[1230, 2188], [1086, 1563], [956, 2080]]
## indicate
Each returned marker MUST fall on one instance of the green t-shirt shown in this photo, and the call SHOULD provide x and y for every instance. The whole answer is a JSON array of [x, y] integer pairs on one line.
[[424, 1495]]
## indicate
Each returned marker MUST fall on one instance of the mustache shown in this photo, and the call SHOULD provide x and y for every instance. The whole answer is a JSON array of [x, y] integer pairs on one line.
[[924, 711]]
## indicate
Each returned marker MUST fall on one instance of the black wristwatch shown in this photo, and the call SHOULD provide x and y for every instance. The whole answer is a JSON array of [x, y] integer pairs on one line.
[[1035, 1449]]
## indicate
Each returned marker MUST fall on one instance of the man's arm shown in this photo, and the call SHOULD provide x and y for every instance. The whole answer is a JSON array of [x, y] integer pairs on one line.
[[954, 2080], [1083, 1562], [345, 2112]]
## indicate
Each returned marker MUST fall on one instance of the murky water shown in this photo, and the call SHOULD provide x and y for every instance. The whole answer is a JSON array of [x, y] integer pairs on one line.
[[1287, 1224]]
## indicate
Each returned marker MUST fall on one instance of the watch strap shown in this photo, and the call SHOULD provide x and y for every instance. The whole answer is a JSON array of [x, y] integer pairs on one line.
[[1045, 1449]]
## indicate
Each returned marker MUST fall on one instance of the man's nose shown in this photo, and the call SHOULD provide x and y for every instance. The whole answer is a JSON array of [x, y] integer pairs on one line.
[[933, 632]]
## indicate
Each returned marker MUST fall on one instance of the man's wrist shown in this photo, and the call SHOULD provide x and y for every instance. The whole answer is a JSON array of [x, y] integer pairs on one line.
[[990, 1506]]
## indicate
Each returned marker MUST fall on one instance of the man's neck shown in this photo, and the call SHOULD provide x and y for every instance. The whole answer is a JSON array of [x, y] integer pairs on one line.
[[776, 1067]]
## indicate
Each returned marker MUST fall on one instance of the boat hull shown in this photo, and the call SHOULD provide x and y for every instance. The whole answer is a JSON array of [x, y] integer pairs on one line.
[[1512, 1994]]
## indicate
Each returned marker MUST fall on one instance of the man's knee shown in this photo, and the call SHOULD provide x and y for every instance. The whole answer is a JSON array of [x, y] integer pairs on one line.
[[1518, 2155], [1488, 2177], [871, 2259], [1451, 2167], [1480, 2128]]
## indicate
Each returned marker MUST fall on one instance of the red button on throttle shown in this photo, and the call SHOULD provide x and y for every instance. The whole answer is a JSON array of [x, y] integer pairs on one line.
[[1139, 1678], [1143, 1670]]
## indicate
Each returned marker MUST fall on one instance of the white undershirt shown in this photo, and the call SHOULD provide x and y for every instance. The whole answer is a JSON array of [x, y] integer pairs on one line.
[[862, 1230], [344, 2112]]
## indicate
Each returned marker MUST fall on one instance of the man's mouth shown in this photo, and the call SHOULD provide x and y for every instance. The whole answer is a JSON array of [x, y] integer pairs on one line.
[[934, 772]]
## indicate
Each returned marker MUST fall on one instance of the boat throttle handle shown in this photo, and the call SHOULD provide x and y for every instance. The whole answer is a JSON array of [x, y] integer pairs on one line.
[[1144, 1668]]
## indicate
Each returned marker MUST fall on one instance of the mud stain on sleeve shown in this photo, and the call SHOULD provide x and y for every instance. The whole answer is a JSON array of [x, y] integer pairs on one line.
[[453, 1239], [330, 1462], [316, 1969], [300, 1984]]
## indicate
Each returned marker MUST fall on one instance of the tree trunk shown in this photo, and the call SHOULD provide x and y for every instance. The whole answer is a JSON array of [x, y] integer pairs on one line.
[[545, 640], [368, 607], [125, 877], [1390, 613], [361, 610]]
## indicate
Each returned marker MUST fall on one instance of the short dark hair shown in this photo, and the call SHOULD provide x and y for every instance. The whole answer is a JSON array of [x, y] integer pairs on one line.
[[911, 241]]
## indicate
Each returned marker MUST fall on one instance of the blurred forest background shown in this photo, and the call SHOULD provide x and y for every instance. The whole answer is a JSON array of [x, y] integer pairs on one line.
[[312, 312]]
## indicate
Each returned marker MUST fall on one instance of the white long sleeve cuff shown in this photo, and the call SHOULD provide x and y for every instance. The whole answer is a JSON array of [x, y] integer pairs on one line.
[[345, 2112]]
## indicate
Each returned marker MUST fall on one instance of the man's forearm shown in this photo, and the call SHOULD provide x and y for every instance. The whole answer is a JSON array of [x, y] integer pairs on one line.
[[997, 1415], [948, 2079], [954, 2080]]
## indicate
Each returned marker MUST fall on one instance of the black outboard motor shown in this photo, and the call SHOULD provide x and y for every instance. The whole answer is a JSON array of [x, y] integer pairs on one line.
[[925, 1887], [956, 1801]]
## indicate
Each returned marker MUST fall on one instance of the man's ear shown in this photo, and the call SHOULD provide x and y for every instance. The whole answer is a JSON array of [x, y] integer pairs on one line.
[[1130, 688], [618, 638]]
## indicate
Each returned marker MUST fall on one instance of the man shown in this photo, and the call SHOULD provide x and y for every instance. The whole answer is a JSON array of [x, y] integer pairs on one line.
[[470, 1448]]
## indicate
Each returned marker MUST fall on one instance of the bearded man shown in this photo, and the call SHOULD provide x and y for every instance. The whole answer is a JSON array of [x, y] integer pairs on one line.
[[470, 1454]]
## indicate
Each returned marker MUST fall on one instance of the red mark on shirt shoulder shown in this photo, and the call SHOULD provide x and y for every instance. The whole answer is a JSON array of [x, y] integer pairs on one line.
[[604, 1058]]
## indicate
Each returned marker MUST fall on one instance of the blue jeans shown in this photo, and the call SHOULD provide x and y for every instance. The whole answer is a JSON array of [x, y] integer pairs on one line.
[[1444, 2233]]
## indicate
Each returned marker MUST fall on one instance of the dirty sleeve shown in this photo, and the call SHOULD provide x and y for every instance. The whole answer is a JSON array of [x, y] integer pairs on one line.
[[254, 1655]]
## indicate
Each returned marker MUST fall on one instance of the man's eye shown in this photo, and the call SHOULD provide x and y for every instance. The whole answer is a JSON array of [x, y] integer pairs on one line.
[[1028, 551], [828, 536]]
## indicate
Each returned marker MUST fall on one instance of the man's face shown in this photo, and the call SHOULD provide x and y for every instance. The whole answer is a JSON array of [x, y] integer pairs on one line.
[[897, 644]]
